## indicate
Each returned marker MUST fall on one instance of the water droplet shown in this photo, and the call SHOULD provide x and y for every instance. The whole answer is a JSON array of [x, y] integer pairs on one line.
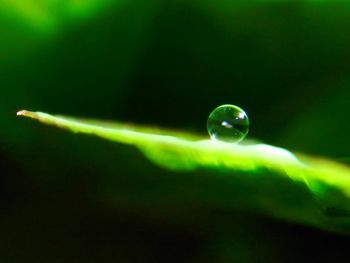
[[228, 123]]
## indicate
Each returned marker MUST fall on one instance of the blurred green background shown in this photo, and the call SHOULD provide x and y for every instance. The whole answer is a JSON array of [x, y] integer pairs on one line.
[[69, 198]]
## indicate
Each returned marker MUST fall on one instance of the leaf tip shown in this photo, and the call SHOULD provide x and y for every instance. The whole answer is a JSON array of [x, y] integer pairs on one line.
[[24, 113], [21, 113]]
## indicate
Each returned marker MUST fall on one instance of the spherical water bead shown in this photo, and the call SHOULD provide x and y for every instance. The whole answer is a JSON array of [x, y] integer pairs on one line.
[[228, 123]]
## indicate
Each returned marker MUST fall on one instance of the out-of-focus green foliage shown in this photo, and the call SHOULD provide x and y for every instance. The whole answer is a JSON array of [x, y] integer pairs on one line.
[[68, 198], [49, 16]]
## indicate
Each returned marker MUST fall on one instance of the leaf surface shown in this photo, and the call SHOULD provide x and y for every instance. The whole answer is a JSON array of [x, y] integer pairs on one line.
[[324, 184]]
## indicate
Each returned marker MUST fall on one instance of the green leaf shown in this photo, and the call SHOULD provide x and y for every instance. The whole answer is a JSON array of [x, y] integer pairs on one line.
[[278, 183]]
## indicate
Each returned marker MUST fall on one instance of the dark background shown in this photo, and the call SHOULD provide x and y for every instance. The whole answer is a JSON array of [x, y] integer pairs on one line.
[[69, 198]]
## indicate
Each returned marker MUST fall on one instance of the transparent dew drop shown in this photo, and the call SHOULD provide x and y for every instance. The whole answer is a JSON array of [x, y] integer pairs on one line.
[[228, 123]]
